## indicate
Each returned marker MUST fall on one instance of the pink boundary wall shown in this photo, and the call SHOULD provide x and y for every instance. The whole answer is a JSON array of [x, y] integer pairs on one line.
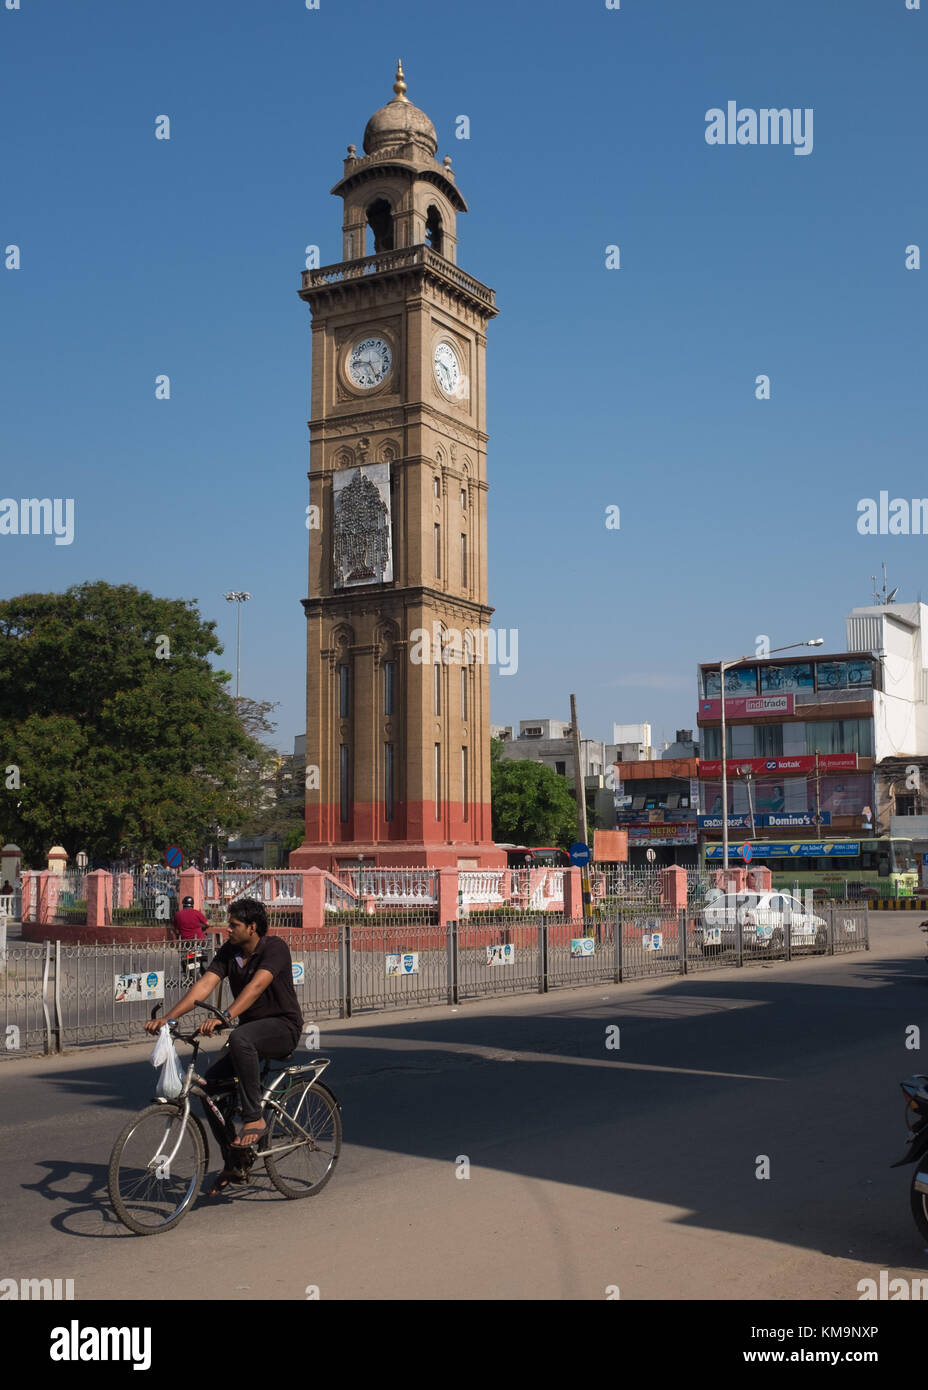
[[41, 889]]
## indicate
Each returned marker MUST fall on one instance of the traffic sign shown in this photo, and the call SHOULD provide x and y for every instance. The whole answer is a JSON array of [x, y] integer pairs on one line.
[[650, 855], [580, 854], [173, 857], [747, 853]]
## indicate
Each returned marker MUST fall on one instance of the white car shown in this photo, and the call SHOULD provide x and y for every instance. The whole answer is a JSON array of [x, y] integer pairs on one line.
[[763, 917]]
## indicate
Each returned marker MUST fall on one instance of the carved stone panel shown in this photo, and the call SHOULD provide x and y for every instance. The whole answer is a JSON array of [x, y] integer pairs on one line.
[[362, 544]]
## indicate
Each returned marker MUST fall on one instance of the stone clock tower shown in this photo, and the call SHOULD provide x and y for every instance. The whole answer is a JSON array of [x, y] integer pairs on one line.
[[397, 688]]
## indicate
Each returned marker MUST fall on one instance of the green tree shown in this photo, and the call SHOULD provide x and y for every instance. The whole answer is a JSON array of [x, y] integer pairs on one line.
[[531, 804], [118, 728]]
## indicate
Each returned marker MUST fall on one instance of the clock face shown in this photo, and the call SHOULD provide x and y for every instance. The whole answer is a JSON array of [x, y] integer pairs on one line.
[[447, 368], [369, 362]]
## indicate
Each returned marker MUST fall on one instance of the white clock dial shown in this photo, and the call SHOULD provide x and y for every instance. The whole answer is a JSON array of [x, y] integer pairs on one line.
[[447, 368], [369, 362]]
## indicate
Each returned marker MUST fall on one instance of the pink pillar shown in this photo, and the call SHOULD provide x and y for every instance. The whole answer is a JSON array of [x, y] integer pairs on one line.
[[126, 887], [99, 898], [673, 887], [730, 880], [573, 894], [190, 885], [48, 886], [759, 880], [447, 895], [29, 888], [313, 898]]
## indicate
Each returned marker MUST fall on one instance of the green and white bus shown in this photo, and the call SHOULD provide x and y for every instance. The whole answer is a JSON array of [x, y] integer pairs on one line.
[[883, 868]]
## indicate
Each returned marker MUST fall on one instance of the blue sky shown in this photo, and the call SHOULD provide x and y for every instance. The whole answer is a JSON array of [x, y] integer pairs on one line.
[[631, 388]]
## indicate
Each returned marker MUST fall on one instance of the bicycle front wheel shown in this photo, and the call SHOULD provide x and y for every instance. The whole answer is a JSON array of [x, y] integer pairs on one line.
[[309, 1137], [148, 1193]]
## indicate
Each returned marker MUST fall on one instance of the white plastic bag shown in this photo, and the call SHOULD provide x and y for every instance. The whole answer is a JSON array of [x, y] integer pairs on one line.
[[164, 1055]]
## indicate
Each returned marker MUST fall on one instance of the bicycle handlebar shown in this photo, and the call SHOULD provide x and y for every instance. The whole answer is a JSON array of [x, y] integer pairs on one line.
[[201, 1005]]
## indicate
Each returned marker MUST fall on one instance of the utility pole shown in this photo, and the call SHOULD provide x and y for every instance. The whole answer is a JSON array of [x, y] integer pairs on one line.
[[579, 780], [580, 788]]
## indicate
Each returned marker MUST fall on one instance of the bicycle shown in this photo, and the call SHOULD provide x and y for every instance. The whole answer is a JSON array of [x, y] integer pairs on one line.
[[159, 1159]]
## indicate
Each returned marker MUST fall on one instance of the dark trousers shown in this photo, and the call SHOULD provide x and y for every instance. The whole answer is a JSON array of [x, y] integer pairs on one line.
[[248, 1044]]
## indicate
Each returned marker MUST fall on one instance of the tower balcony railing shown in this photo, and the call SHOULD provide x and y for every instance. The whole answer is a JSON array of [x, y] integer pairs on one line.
[[401, 259]]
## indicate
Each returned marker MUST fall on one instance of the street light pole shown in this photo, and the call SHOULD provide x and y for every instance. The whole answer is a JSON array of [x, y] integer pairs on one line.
[[238, 597], [723, 667]]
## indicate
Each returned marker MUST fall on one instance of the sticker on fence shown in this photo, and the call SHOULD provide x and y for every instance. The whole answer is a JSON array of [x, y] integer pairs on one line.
[[849, 924], [713, 936], [299, 974], [652, 940], [144, 985], [582, 946], [407, 964], [500, 955]]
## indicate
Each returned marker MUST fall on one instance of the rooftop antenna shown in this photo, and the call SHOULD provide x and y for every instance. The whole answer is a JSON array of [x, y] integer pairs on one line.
[[882, 599]]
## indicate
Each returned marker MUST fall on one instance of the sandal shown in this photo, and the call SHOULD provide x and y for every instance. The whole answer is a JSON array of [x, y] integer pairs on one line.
[[250, 1136], [225, 1179]]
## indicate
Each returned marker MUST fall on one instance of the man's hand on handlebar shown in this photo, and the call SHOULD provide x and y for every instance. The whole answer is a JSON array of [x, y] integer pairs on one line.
[[154, 1025], [210, 1025]]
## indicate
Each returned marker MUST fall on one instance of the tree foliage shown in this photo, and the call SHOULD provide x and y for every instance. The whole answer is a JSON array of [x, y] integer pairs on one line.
[[121, 735], [531, 804]]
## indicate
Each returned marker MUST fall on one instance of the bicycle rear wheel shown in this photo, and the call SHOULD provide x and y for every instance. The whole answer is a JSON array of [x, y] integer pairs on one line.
[[147, 1195], [312, 1126]]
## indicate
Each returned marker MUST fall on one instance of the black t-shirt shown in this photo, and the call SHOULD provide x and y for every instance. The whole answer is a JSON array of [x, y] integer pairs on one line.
[[279, 999]]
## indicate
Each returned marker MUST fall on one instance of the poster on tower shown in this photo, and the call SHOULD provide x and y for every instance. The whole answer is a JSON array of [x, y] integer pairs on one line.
[[362, 546]]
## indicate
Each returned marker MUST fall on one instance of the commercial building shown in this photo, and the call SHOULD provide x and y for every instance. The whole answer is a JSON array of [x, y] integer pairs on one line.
[[819, 748], [656, 802]]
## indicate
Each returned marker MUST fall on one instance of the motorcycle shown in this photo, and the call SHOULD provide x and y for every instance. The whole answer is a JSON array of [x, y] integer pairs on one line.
[[192, 964], [915, 1090]]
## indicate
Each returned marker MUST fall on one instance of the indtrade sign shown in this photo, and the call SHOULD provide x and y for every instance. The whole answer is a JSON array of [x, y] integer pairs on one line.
[[741, 706]]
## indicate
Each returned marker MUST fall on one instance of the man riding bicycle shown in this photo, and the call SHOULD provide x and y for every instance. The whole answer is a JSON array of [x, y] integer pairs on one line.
[[260, 974]]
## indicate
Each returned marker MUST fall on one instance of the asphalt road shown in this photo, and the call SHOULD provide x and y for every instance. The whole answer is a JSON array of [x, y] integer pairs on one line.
[[589, 1167]]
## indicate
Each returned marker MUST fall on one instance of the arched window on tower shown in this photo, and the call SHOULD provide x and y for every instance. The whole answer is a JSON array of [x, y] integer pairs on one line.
[[380, 221], [433, 231]]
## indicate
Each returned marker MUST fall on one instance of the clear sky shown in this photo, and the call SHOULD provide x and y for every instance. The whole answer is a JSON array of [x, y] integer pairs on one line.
[[632, 388]]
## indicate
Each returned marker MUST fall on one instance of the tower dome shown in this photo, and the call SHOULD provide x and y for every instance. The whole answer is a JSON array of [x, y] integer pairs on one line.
[[399, 123]]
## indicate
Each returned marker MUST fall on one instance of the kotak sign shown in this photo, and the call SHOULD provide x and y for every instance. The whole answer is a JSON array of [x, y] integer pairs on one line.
[[740, 706], [827, 762]]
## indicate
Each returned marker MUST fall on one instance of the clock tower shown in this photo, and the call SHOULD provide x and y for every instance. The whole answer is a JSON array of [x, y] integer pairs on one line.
[[398, 638]]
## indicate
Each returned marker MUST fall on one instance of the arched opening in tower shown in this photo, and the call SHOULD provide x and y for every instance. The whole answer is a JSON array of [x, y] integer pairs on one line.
[[380, 221], [433, 230]]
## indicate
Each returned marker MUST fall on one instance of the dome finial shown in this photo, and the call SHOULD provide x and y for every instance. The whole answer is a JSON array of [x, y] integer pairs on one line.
[[399, 86]]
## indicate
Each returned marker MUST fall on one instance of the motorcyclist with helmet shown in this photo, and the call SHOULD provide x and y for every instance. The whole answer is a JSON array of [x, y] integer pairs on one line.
[[189, 924]]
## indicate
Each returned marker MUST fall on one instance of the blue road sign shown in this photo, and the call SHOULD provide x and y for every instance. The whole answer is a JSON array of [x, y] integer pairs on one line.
[[580, 854], [173, 857], [746, 853]]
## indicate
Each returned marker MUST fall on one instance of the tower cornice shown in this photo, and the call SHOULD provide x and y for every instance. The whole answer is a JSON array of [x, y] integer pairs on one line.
[[331, 285]]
